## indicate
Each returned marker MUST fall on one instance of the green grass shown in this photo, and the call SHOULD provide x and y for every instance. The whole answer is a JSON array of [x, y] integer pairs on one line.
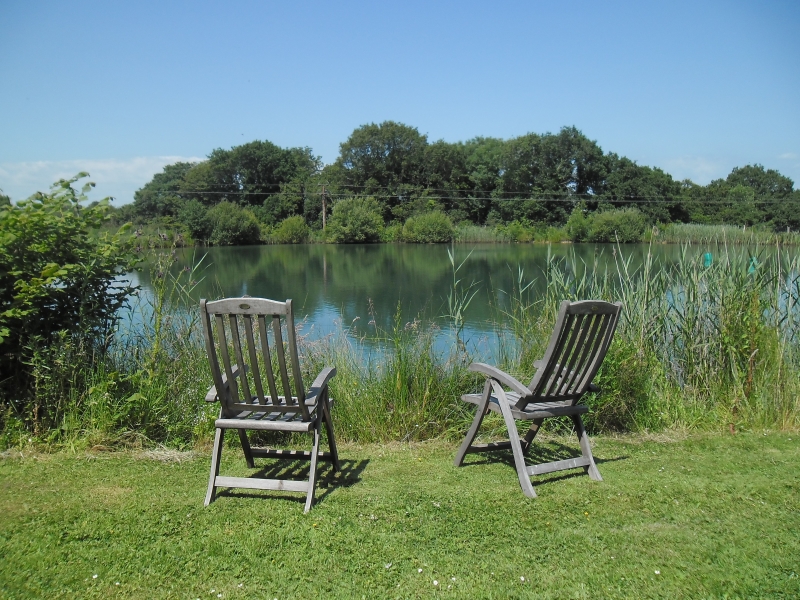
[[712, 516]]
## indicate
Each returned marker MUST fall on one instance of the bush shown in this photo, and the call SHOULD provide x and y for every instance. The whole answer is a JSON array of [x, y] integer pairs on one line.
[[355, 220], [428, 228], [626, 225], [292, 230], [58, 283], [516, 231], [194, 216], [578, 224], [232, 225]]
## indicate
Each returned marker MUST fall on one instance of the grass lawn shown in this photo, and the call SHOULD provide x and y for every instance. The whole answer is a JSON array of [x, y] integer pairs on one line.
[[698, 517]]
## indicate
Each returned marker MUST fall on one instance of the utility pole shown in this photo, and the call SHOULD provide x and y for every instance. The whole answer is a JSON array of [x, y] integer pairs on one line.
[[323, 208]]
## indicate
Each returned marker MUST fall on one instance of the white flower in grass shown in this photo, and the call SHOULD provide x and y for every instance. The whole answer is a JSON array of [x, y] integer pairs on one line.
[[387, 565], [522, 579], [658, 572], [419, 570], [94, 576], [435, 582]]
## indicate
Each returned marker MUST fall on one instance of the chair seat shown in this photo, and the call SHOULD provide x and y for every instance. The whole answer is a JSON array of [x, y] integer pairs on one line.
[[534, 410]]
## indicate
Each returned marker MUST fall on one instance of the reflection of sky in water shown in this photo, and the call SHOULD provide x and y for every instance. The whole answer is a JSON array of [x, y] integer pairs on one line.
[[358, 289]]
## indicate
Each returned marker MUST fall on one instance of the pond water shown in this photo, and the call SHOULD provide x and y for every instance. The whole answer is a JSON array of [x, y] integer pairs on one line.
[[361, 287]]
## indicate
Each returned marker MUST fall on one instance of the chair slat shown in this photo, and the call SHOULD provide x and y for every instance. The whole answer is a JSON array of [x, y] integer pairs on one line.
[[276, 330], [603, 341], [208, 335], [233, 396], [562, 352], [290, 336], [583, 350], [251, 350], [262, 331], [237, 350]]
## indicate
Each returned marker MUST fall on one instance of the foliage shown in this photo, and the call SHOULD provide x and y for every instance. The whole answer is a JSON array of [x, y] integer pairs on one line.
[[428, 228], [195, 217], [292, 230], [624, 225], [355, 221], [517, 231], [59, 286], [232, 225]]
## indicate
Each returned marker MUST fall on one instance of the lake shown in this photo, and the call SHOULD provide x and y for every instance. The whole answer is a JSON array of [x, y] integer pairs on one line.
[[362, 286]]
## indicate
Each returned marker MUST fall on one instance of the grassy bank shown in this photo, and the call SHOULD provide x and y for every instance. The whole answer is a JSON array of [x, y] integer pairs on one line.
[[698, 348], [698, 517]]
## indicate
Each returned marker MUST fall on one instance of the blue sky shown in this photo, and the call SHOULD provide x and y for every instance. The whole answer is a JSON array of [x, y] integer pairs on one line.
[[120, 89]]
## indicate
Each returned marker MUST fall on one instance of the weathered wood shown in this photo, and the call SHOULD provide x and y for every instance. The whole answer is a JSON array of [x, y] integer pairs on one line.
[[577, 347], [247, 407], [259, 483], [558, 465]]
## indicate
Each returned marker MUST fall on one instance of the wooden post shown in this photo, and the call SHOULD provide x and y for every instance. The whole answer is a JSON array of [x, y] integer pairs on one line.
[[323, 208]]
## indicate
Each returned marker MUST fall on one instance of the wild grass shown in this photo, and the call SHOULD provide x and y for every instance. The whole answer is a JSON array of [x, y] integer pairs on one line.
[[675, 517], [477, 234], [698, 348], [694, 233]]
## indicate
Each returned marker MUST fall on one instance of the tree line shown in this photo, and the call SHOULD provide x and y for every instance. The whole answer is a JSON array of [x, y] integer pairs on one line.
[[389, 179]]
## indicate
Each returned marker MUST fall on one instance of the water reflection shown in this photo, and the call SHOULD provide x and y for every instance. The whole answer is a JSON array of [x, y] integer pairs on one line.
[[363, 286]]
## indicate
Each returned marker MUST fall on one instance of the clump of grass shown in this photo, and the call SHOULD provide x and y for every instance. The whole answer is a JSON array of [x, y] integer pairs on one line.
[[476, 234], [694, 233]]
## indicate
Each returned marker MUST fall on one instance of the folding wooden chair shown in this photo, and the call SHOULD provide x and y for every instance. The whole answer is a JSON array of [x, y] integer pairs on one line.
[[261, 365], [579, 342]]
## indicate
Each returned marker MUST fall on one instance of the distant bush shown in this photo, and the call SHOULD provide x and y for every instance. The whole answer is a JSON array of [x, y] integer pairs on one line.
[[355, 220], [392, 233], [194, 216], [232, 225], [428, 228], [516, 231], [292, 230], [578, 224], [625, 225]]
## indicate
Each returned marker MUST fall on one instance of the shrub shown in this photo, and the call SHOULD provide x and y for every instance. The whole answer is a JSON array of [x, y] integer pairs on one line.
[[516, 231], [292, 230], [428, 228], [355, 220], [578, 224], [194, 216], [232, 225], [626, 225], [58, 281]]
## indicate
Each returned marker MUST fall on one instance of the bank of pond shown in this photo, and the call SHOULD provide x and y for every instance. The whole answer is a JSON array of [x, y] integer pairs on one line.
[[708, 338]]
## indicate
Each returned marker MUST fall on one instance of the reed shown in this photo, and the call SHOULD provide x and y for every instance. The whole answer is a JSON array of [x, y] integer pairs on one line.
[[699, 347]]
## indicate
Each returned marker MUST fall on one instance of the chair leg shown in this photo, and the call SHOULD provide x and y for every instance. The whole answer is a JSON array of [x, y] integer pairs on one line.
[[586, 449], [516, 446], [528, 439], [216, 455], [248, 455], [326, 414], [312, 475], [476, 424]]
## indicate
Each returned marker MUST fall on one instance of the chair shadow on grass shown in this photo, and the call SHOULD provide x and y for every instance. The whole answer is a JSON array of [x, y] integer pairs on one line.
[[538, 453], [327, 480]]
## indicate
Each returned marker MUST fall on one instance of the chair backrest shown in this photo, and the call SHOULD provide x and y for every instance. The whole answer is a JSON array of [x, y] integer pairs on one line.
[[580, 340], [262, 362]]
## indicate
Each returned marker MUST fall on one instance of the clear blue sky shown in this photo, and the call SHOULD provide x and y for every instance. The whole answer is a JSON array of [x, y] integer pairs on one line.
[[120, 89]]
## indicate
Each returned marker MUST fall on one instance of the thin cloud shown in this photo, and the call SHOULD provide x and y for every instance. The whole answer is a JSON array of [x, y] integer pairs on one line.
[[699, 169], [118, 178], [789, 156]]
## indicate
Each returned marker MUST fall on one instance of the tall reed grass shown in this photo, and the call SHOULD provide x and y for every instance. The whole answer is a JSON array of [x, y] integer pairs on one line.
[[698, 347], [693, 233]]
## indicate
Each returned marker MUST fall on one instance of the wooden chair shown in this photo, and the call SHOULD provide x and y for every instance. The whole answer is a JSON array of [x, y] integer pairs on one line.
[[261, 366], [579, 342]]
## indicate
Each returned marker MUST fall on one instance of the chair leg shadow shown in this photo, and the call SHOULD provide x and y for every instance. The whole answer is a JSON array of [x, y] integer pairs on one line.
[[327, 479]]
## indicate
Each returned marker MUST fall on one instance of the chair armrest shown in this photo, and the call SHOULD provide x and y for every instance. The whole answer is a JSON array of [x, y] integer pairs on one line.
[[211, 395], [322, 380], [502, 377]]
